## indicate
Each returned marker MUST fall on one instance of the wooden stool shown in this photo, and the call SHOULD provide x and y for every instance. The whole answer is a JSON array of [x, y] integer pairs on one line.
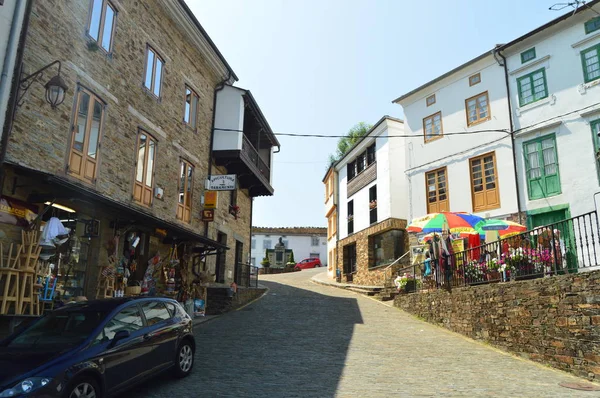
[[106, 287], [28, 291], [9, 273]]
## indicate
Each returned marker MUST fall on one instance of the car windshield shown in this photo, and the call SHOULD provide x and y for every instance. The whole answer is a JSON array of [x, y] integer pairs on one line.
[[60, 329]]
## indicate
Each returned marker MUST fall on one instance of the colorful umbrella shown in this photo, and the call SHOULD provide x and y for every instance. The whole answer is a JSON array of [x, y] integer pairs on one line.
[[504, 227], [455, 222]]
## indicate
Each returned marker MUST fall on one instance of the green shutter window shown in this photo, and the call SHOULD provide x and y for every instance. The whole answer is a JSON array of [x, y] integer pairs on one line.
[[596, 138], [528, 55], [591, 63], [541, 162], [592, 25], [532, 87]]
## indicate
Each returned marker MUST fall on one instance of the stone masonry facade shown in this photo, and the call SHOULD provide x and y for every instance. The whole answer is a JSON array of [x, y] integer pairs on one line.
[[377, 276], [41, 136], [554, 320]]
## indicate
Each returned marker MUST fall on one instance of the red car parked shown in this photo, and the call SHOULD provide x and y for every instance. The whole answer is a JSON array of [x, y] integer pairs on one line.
[[308, 263]]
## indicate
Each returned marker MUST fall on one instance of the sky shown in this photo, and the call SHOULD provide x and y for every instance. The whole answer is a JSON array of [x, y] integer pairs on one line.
[[321, 66]]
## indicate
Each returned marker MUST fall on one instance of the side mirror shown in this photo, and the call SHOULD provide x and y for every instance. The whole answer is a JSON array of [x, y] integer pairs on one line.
[[120, 335]]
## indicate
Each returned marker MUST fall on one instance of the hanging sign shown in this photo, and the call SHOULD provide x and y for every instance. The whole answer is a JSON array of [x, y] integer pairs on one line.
[[210, 199], [208, 215], [225, 182]]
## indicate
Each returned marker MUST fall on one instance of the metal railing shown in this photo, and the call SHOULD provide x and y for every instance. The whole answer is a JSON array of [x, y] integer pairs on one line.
[[564, 247], [251, 154], [247, 275]]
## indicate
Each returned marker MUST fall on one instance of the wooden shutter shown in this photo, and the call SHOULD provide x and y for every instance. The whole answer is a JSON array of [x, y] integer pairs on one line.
[[484, 183], [437, 191], [85, 137]]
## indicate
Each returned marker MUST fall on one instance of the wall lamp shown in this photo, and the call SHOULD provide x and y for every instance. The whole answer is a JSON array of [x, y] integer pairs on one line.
[[55, 88]]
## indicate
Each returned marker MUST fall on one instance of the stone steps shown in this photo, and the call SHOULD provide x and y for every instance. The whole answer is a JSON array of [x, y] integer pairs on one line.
[[369, 291]]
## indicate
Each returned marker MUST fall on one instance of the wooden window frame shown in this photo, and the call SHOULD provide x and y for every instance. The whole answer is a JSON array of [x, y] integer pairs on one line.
[[153, 79], [431, 97], [143, 186], [85, 146], [193, 94], [483, 181], [529, 77], [183, 207], [432, 117], [472, 78], [438, 201], [586, 77], [105, 4], [538, 140], [526, 53], [589, 28], [489, 110]]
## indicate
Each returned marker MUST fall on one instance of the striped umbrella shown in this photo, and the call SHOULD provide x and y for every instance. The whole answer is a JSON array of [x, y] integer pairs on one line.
[[504, 227], [455, 222]]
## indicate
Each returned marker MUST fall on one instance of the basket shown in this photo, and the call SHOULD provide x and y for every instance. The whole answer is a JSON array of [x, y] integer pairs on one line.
[[133, 290]]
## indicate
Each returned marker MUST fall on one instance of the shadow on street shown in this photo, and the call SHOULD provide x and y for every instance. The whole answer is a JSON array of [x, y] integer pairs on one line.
[[291, 343]]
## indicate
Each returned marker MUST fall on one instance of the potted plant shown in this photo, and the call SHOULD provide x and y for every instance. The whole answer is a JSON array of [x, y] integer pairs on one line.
[[265, 261], [493, 268], [234, 210], [407, 283], [475, 272]]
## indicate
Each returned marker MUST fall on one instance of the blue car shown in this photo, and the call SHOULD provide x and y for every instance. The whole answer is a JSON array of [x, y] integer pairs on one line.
[[97, 349]]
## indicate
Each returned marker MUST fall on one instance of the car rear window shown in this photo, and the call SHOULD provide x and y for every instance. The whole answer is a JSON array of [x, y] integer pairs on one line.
[[155, 312]]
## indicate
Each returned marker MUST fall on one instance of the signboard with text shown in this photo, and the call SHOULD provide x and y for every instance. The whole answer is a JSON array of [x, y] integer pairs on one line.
[[210, 199], [225, 182]]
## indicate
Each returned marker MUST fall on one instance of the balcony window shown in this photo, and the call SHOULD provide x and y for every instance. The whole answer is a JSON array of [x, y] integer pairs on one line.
[[186, 185], [371, 155], [351, 168], [144, 169]]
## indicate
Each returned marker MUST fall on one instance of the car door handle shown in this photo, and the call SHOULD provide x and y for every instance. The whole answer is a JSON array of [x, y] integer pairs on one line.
[[148, 336]]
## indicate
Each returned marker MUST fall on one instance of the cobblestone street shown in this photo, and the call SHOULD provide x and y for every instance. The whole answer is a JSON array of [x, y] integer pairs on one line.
[[308, 340]]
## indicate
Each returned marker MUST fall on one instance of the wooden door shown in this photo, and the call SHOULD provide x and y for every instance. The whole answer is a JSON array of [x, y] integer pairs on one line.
[[85, 139]]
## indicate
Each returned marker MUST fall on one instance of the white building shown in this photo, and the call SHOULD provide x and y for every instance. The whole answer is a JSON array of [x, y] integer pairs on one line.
[[554, 83], [372, 203], [459, 154], [12, 13], [331, 202], [305, 242]]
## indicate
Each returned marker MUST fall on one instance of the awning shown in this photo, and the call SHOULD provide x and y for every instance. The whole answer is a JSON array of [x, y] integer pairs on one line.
[[179, 232]]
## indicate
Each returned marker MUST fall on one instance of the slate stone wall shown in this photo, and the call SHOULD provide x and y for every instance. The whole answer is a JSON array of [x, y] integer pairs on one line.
[[555, 320]]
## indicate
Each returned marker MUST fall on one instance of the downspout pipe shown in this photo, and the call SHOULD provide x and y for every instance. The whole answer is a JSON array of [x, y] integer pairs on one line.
[[503, 63], [218, 88], [14, 40]]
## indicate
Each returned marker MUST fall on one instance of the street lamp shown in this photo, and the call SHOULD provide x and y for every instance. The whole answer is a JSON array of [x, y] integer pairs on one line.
[[55, 88]]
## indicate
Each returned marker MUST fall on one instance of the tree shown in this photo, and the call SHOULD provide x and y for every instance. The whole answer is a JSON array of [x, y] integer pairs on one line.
[[346, 143], [291, 260], [265, 261]]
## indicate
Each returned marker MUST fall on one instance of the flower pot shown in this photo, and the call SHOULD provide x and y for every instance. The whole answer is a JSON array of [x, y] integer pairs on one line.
[[493, 276]]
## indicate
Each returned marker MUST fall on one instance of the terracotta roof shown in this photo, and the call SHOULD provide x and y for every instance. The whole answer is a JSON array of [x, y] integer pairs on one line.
[[289, 230]]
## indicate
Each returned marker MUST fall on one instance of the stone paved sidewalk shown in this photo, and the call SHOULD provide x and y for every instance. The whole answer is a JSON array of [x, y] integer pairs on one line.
[[307, 340]]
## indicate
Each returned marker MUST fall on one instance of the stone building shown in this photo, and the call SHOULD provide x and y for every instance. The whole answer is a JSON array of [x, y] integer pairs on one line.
[[131, 147]]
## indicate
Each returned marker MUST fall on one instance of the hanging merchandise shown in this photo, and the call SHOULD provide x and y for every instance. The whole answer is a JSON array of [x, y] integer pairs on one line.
[[75, 249], [52, 229]]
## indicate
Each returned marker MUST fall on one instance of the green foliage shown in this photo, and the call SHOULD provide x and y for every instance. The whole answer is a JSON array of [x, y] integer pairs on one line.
[[346, 143], [265, 261], [291, 260]]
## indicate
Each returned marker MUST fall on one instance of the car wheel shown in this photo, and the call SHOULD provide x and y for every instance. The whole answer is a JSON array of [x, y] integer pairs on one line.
[[184, 362], [84, 388]]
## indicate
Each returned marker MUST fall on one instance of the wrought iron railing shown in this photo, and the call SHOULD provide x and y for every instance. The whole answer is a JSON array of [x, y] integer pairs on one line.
[[247, 275], [564, 247], [251, 154]]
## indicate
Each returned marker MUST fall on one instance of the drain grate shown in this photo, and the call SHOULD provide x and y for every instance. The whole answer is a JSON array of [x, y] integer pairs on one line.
[[580, 386]]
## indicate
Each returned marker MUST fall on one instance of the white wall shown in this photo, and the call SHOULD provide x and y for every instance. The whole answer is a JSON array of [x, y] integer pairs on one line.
[[558, 51], [300, 244], [388, 163], [229, 115], [454, 151]]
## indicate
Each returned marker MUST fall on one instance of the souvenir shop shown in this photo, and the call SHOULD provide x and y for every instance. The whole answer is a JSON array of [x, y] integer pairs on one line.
[[63, 243]]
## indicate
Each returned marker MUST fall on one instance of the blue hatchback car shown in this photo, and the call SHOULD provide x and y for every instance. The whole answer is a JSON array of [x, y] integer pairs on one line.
[[97, 349]]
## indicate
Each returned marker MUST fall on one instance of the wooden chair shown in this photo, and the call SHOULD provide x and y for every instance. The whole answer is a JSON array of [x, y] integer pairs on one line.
[[106, 287], [46, 297], [9, 274]]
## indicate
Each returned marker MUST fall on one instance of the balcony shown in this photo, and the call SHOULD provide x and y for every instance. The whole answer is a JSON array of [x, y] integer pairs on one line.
[[243, 141]]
